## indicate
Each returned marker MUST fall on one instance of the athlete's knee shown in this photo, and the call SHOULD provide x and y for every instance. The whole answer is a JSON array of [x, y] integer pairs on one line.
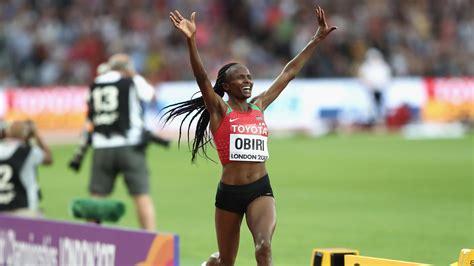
[[263, 252]]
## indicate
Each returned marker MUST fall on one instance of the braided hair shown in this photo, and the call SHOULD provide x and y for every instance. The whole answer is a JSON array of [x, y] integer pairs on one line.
[[187, 108]]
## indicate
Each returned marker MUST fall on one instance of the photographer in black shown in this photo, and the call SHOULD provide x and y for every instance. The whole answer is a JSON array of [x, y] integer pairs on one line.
[[22, 150], [118, 136], [148, 137]]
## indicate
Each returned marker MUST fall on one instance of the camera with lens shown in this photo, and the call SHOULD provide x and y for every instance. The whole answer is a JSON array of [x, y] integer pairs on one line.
[[148, 137], [78, 156]]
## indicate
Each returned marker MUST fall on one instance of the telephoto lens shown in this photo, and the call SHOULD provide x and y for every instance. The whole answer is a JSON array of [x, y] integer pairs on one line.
[[76, 161]]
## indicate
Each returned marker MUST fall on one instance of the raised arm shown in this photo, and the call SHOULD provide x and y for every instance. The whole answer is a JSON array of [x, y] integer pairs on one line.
[[293, 67], [212, 100]]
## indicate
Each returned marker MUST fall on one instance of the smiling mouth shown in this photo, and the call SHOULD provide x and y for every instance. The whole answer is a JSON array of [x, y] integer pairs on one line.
[[247, 89]]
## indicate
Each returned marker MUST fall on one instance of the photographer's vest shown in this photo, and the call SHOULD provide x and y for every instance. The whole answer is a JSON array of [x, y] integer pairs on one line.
[[242, 136], [13, 193], [109, 106]]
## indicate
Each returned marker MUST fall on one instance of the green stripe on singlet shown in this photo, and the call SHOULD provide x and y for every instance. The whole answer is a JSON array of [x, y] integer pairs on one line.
[[253, 106], [229, 109]]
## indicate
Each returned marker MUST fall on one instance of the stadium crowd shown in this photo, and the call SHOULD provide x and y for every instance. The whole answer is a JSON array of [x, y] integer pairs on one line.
[[52, 42]]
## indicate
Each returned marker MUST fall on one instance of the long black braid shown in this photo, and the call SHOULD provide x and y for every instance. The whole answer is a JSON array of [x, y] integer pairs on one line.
[[201, 136]]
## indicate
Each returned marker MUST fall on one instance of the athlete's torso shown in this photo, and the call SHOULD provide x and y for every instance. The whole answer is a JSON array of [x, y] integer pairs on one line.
[[241, 143]]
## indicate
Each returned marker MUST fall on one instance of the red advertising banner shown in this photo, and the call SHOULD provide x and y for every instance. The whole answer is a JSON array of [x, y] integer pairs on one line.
[[51, 108], [449, 99], [61, 110]]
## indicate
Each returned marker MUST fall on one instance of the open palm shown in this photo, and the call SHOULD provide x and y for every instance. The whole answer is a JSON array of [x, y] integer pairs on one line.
[[323, 29], [187, 27]]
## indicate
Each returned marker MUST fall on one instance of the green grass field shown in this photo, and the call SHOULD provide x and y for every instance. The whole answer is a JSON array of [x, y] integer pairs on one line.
[[385, 196]]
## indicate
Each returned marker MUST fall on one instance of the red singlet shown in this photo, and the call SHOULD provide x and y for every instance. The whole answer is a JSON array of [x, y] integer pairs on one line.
[[242, 136]]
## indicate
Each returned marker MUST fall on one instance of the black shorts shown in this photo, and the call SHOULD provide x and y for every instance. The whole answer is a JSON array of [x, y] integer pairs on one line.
[[236, 198]]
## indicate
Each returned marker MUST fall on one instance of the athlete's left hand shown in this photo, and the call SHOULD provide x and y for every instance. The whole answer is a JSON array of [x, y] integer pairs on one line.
[[323, 29], [186, 26]]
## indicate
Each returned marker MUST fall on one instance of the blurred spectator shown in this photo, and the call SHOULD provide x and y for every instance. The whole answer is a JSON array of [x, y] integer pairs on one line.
[[398, 117], [62, 42], [375, 74], [19, 160]]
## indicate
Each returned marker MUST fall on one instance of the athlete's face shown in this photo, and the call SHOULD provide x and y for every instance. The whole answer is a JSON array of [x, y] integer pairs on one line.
[[238, 82]]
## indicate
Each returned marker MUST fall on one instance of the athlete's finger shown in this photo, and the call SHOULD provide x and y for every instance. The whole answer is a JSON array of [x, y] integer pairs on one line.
[[324, 18], [179, 15], [173, 16], [173, 21]]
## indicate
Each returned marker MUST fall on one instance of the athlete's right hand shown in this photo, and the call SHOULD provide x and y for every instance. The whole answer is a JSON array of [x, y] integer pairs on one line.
[[187, 27]]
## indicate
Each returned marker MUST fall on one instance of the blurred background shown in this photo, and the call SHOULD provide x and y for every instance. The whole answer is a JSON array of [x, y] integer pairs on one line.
[[58, 45], [53, 42], [392, 178]]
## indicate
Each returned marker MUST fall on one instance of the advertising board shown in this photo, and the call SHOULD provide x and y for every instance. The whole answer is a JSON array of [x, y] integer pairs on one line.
[[46, 242]]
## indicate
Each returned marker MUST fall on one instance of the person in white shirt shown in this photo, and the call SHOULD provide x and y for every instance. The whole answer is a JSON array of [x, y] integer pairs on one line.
[[375, 74]]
